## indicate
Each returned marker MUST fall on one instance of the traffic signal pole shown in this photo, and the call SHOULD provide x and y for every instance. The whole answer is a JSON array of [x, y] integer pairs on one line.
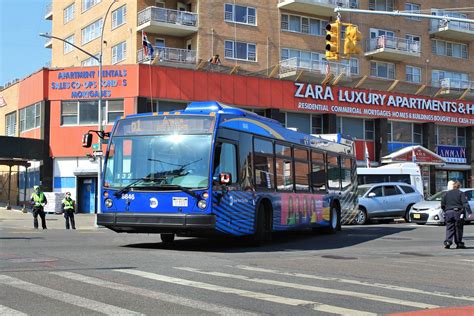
[[403, 14]]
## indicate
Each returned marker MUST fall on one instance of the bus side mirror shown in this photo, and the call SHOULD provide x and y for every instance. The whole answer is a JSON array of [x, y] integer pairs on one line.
[[225, 178], [86, 140]]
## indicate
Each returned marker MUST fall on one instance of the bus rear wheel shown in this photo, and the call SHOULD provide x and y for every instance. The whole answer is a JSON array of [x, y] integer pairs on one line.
[[167, 238]]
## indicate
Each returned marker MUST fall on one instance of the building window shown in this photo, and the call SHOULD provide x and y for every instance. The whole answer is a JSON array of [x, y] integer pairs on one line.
[[85, 112], [118, 16], [305, 25], [119, 52], [451, 136], [240, 50], [163, 106], [87, 4], [316, 124], [413, 74], [68, 13], [30, 117], [304, 59], [91, 32], [382, 70], [10, 121], [353, 63], [450, 79], [360, 129], [369, 129], [403, 132], [69, 48], [417, 134], [240, 14], [412, 8], [300, 122], [381, 5], [90, 61], [450, 49]]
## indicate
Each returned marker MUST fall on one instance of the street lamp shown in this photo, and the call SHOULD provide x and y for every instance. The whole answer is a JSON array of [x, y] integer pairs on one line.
[[99, 60]]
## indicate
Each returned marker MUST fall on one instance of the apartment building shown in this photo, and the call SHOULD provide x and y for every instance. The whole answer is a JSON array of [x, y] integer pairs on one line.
[[273, 62]]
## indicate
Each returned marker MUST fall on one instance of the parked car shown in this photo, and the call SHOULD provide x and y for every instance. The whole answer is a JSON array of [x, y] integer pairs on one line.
[[386, 200], [430, 212]]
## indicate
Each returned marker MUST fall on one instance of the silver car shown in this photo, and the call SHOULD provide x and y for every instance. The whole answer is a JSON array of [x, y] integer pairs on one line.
[[430, 212], [386, 200]]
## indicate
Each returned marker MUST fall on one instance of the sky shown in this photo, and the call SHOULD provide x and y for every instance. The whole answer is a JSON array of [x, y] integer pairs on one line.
[[22, 50]]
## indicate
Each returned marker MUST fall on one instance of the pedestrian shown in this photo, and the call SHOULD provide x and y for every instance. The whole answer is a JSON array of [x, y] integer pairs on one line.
[[69, 208], [215, 60], [455, 206], [38, 201]]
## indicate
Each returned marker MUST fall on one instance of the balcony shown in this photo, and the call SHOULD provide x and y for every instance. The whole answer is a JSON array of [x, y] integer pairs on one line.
[[169, 56], [317, 7], [168, 22], [48, 12], [455, 88], [392, 48], [313, 71], [460, 31]]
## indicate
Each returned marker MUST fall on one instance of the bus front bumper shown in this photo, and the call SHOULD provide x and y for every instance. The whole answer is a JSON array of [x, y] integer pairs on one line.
[[156, 223]]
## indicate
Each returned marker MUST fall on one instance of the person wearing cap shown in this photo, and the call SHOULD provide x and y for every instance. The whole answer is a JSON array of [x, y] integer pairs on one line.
[[38, 201], [68, 207]]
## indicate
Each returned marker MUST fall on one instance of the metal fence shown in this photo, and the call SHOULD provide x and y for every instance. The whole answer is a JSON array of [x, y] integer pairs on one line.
[[395, 43], [316, 66], [335, 3], [169, 54], [155, 14]]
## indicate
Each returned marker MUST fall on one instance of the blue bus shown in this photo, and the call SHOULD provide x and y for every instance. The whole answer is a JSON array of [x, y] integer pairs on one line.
[[212, 168]]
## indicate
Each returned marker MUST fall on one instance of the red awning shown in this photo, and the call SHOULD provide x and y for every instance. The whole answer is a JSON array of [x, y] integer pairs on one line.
[[422, 156]]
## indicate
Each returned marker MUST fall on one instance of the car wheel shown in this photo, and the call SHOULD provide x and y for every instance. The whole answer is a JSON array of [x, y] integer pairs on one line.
[[167, 238], [361, 217], [407, 214], [420, 223]]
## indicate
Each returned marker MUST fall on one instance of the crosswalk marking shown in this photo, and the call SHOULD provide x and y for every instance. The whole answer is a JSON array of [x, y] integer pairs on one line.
[[65, 297], [377, 285], [208, 307], [7, 311], [244, 293], [315, 289]]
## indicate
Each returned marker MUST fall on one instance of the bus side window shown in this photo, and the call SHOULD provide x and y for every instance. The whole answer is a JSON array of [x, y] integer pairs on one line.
[[225, 160], [334, 172]]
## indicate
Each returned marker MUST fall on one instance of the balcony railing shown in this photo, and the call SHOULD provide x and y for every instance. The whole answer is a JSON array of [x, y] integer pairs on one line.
[[169, 55], [155, 14], [459, 84], [436, 25], [335, 3], [393, 43], [316, 66]]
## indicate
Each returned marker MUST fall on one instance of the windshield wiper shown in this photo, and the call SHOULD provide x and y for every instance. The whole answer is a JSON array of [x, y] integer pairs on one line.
[[127, 188], [184, 189]]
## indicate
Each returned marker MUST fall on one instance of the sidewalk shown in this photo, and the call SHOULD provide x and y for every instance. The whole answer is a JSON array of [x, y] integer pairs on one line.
[[15, 218]]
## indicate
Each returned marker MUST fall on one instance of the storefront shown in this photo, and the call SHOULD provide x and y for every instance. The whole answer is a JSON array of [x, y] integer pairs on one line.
[[379, 122]]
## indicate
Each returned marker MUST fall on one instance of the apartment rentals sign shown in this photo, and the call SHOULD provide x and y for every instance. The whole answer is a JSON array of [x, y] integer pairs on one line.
[[340, 100]]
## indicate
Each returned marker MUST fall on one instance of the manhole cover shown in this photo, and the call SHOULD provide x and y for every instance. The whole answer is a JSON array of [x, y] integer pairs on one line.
[[416, 254], [339, 257], [31, 260]]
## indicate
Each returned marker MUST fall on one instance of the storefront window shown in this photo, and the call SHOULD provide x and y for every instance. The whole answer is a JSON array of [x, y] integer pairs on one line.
[[299, 121], [447, 135], [401, 132], [369, 130], [86, 112], [417, 134], [316, 124], [352, 127]]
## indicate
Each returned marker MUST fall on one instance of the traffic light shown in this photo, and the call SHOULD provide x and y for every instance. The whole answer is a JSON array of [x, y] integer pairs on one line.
[[333, 35], [351, 40]]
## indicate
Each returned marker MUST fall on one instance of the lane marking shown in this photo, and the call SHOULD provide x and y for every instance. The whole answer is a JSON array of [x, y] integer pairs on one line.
[[348, 281], [315, 289], [250, 294], [207, 307], [7, 311], [65, 297]]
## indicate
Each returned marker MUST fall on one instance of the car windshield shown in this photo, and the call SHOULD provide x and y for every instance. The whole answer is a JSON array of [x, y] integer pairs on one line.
[[436, 197], [150, 155], [362, 191]]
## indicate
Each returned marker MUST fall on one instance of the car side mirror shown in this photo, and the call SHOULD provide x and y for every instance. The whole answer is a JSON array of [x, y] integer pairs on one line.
[[225, 178], [371, 195]]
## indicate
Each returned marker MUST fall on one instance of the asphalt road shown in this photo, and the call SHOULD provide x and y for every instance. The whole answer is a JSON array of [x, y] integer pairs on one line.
[[371, 269]]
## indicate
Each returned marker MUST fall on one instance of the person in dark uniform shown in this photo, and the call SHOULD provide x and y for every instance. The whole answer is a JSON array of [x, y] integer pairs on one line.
[[455, 206], [69, 208], [38, 201]]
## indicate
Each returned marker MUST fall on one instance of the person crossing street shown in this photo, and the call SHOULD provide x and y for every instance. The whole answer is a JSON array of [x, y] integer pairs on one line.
[[38, 201], [68, 208]]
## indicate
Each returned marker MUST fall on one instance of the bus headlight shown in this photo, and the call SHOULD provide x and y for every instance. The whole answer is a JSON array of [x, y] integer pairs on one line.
[[202, 204], [108, 203]]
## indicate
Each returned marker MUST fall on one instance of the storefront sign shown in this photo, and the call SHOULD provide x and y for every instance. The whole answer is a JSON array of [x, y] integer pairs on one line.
[[84, 84], [421, 156], [340, 100], [452, 154]]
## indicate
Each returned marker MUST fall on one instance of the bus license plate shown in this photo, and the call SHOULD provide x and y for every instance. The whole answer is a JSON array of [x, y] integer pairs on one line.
[[180, 201], [416, 215]]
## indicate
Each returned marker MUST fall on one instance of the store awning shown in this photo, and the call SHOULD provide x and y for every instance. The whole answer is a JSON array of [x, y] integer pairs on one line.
[[422, 156]]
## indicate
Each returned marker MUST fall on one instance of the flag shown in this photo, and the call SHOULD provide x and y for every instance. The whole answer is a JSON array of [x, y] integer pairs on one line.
[[413, 155], [328, 68], [147, 47], [366, 156]]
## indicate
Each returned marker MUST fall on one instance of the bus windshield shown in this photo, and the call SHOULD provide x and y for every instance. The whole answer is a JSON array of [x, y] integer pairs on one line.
[[158, 159]]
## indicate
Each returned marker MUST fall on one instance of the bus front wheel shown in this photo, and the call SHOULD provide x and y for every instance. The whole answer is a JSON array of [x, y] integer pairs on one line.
[[167, 238], [263, 227], [334, 220]]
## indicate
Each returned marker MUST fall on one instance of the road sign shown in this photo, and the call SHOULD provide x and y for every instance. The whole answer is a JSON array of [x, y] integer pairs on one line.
[[95, 146]]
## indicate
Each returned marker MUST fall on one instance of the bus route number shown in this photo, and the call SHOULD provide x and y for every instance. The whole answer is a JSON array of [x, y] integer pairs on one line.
[[128, 196]]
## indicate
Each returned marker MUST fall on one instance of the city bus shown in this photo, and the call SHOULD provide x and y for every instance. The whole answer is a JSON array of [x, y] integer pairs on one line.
[[212, 168]]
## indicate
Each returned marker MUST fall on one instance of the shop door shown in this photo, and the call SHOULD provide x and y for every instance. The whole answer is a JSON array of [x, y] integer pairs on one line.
[[87, 195]]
